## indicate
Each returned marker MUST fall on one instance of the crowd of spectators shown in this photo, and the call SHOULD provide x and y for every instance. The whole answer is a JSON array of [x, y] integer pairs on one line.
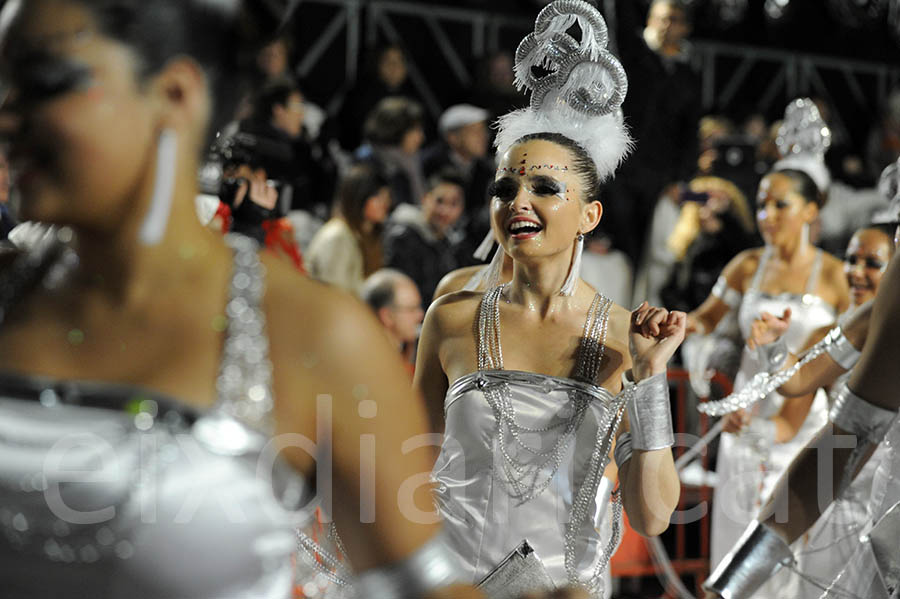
[[377, 185]]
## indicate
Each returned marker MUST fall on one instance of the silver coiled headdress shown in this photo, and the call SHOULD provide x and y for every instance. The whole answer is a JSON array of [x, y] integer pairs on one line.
[[889, 190], [581, 94], [802, 141]]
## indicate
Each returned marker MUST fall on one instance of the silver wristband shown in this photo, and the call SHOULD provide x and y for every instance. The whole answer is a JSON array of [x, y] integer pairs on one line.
[[649, 414], [857, 416], [429, 567], [773, 355], [840, 349], [731, 297], [757, 556], [622, 452]]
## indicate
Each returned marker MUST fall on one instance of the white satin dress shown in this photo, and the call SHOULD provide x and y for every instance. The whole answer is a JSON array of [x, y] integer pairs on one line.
[[523, 458], [111, 491], [748, 467]]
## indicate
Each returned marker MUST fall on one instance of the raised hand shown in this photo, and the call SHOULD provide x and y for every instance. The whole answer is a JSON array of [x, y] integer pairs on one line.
[[768, 328], [260, 192], [654, 336], [735, 421]]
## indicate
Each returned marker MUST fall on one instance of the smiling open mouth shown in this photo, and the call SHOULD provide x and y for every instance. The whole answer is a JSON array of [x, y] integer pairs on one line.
[[524, 229]]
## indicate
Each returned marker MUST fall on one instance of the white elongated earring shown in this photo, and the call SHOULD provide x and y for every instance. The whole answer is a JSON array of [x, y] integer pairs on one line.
[[805, 234], [488, 277], [154, 226], [484, 248], [571, 281]]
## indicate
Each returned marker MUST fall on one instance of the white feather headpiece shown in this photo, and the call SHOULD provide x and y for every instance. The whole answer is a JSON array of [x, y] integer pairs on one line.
[[581, 96], [802, 141]]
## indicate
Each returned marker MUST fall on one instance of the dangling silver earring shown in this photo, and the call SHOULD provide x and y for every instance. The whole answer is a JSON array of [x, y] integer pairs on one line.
[[571, 281], [154, 226], [488, 277]]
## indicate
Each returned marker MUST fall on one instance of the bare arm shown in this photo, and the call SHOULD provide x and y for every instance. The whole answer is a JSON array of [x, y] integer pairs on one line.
[[705, 318], [430, 379], [649, 481]]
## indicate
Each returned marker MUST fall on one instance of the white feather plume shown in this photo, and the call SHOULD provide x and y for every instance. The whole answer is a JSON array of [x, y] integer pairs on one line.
[[604, 138]]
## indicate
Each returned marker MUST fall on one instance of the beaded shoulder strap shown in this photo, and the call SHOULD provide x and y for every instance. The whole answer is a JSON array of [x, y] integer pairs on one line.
[[813, 279], [593, 341], [244, 384], [490, 354]]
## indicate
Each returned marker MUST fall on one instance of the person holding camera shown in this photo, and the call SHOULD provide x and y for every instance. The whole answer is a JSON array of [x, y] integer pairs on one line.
[[279, 112], [250, 203], [714, 225]]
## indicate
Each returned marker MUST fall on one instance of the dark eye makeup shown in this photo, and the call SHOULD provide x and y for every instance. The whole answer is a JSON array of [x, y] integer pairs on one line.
[[40, 77], [507, 188], [503, 189], [869, 263]]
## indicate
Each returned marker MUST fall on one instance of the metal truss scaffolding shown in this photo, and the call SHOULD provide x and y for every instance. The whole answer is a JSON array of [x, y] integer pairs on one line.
[[444, 42]]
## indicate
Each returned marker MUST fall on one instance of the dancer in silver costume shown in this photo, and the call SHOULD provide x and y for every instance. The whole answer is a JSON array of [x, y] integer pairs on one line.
[[833, 539], [864, 427], [788, 273], [151, 372], [525, 378]]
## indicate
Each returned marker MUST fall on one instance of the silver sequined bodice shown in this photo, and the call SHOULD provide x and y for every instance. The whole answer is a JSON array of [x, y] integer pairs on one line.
[[523, 458], [111, 491]]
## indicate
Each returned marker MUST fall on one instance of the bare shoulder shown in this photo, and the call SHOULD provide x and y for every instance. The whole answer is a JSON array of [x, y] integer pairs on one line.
[[308, 309], [741, 268], [833, 268], [453, 312], [455, 280]]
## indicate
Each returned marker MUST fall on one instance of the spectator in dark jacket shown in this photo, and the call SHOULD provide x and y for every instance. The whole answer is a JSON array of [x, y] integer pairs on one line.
[[662, 109], [420, 240], [464, 147]]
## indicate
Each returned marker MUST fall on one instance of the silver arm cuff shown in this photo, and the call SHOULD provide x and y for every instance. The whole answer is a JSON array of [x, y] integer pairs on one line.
[[622, 452], [773, 355], [757, 556], [731, 297], [857, 416], [429, 567], [649, 414], [840, 349]]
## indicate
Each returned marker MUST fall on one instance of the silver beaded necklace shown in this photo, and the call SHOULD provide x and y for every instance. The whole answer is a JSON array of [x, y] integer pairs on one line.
[[525, 480]]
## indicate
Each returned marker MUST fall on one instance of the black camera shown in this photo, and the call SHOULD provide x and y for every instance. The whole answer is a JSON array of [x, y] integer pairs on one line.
[[687, 195]]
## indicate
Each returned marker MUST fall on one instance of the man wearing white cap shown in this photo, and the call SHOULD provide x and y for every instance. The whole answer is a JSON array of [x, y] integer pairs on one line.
[[464, 147]]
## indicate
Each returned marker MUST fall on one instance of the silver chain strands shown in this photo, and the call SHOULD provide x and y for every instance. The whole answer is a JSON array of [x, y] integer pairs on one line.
[[325, 562], [584, 498], [526, 480], [244, 381]]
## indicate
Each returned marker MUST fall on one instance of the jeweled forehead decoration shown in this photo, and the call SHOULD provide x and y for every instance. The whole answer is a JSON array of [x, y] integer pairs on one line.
[[803, 138], [580, 90]]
